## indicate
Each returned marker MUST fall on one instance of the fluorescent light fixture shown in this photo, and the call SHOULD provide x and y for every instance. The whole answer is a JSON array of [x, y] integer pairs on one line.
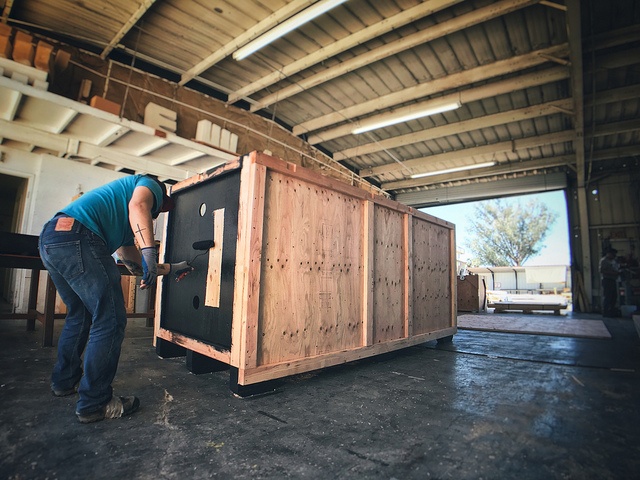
[[405, 118], [285, 27], [456, 169]]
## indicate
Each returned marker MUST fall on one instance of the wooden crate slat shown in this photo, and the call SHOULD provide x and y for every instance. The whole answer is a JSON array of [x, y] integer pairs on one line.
[[311, 273], [431, 277], [388, 296], [368, 262]]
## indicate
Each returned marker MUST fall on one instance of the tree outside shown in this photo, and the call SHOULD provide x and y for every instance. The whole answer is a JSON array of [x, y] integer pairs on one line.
[[508, 233]]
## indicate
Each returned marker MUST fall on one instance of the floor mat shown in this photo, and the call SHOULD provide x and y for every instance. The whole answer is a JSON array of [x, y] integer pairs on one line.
[[552, 325]]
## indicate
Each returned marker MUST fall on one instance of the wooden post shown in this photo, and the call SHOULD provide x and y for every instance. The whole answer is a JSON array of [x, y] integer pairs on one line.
[[367, 272], [49, 313], [32, 313], [407, 290], [244, 329]]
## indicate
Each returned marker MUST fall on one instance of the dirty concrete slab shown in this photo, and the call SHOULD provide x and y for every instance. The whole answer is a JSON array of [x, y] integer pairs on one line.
[[483, 407]]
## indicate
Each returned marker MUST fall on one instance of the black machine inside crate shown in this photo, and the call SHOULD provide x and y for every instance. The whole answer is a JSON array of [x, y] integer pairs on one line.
[[192, 222]]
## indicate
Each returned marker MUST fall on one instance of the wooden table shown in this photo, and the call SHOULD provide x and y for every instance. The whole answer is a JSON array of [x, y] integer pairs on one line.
[[20, 251], [33, 263]]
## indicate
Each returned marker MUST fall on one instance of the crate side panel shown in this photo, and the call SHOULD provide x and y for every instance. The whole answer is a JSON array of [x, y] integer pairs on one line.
[[387, 275], [311, 275], [183, 303], [431, 293]]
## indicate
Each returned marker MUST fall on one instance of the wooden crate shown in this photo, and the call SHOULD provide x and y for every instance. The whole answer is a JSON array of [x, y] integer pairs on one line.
[[471, 293], [306, 272]]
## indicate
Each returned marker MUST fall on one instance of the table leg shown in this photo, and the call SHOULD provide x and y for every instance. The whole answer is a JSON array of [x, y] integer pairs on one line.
[[49, 313], [33, 300]]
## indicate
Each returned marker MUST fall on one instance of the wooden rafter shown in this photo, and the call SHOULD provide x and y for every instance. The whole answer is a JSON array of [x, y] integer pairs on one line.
[[128, 25], [501, 169], [437, 31], [422, 164], [422, 90], [511, 167], [508, 116], [607, 96], [265, 25], [403, 18], [473, 94]]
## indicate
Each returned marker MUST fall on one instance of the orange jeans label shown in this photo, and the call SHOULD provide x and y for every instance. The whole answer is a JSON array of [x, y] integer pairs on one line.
[[64, 224]]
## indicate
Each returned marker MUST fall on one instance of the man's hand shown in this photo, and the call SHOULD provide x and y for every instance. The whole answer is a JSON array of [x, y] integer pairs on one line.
[[181, 270], [149, 267]]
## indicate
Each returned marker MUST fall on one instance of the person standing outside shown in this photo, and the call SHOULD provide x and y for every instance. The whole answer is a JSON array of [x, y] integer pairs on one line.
[[76, 247], [609, 271]]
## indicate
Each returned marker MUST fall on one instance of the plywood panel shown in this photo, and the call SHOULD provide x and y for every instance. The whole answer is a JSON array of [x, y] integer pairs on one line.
[[388, 275], [311, 273], [431, 295]]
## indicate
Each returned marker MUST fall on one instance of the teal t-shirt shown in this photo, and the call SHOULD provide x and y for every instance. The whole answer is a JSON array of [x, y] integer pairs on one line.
[[105, 210]]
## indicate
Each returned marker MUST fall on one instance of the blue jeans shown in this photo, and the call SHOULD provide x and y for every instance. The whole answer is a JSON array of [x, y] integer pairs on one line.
[[88, 281]]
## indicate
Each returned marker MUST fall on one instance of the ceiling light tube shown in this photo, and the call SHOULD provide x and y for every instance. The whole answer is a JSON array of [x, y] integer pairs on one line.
[[452, 170], [405, 118], [285, 27]]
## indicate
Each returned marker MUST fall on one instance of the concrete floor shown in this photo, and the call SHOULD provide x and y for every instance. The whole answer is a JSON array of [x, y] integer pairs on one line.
[[487, 406]]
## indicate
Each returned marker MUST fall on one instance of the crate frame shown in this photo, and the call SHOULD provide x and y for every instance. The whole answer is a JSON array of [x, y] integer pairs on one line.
[[380, 325]]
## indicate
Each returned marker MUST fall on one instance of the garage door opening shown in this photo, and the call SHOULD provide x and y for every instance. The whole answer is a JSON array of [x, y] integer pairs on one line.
[[541, 284]]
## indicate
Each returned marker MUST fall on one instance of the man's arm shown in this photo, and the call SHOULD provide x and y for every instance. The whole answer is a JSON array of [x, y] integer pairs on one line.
[[141, 223], [140, 218], [131, 258]]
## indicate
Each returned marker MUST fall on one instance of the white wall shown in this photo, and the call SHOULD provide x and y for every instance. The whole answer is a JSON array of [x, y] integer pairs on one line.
[[52, 184], [58, 181], [547, 278]]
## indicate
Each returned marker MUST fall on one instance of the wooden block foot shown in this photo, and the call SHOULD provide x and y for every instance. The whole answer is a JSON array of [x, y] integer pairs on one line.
[[199, 364], [447, 339], [165, 349], [250, 390]]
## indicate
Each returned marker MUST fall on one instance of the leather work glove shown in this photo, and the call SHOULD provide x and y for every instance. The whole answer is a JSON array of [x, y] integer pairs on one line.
[[149, 267]]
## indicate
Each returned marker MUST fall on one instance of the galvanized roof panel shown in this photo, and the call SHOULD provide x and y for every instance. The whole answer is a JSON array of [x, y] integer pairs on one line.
[[365, 58]]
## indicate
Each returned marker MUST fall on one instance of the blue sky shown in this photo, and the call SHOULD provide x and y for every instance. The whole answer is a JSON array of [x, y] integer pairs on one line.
[[556, 248]]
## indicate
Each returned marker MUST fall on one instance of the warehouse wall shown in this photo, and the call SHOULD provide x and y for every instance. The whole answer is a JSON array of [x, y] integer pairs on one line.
[[613, 203], [52, 183], [133, 89]]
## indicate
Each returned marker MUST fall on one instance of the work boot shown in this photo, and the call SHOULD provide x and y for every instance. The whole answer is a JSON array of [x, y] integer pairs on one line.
[[116, 408], [63, 393]]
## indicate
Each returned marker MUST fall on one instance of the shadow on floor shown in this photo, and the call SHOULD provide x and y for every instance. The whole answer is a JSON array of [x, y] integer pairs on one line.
[[489, 405]]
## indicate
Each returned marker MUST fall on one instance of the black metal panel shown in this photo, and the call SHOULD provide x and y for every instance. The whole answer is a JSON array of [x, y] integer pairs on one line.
[[183, 303]]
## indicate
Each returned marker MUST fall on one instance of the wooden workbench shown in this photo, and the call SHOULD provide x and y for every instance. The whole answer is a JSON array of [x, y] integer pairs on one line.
[[19, 251]]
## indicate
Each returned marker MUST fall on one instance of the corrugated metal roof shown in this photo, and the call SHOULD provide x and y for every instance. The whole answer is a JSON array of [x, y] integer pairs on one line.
[[510, 63]]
